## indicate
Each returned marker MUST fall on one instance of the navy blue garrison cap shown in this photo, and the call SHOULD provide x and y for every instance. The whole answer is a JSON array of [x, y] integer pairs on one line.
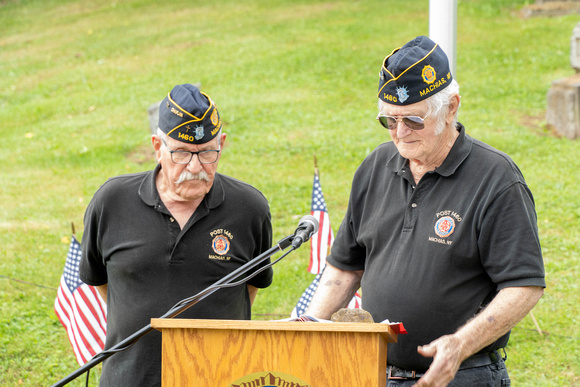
[[414, 72], [188, 115]]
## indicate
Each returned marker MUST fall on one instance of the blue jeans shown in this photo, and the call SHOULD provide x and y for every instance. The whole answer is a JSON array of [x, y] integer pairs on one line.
[[493, 375]]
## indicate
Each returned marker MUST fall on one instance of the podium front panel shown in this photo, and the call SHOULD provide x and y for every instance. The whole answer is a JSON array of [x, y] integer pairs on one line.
[[213, 353]]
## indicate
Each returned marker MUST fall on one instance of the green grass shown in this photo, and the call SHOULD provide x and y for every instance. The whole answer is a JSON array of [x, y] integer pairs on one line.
[[291, 79]]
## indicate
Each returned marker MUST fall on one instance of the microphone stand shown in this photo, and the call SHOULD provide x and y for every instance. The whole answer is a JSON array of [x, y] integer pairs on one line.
[[178, 308]]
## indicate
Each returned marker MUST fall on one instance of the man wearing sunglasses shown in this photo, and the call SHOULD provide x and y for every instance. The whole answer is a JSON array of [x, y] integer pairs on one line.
[[440, 233], [154, 238]]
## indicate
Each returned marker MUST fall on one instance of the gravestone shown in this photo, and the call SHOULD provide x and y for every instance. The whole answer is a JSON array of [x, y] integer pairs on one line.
[[563, 113], [153, 113], [550, 8]]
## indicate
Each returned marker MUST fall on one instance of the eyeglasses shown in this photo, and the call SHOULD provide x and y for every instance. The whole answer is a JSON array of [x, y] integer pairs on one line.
[[184, 157], [411, 122]]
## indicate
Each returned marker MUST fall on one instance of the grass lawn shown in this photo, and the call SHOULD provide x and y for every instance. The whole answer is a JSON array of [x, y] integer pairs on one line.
[[292, 79]]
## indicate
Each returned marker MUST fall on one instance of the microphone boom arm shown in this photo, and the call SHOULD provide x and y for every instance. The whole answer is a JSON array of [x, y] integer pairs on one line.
[[178, 308]]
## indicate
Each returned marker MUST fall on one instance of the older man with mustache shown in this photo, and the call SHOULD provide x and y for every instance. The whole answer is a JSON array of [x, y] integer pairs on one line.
[[154, 238]]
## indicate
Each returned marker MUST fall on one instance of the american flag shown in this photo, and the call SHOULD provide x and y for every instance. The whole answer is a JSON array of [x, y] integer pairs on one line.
[[306, 297], [320, 245], [304, 301], [323, 239], [80, 309]]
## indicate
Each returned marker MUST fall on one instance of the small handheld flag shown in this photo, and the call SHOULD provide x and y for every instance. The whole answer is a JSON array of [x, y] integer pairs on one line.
[[80, 309], [321, 241], [320, 245]]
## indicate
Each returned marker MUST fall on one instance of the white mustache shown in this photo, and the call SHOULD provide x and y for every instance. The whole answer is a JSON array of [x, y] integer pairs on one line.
[[186, 176]]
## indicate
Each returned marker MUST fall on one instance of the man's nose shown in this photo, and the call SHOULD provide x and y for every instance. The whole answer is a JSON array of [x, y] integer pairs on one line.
[[402, 129], [194, 164]]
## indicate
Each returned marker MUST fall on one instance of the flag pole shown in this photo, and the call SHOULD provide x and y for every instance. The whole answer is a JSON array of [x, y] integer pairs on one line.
[[538, 329], [316, 166]]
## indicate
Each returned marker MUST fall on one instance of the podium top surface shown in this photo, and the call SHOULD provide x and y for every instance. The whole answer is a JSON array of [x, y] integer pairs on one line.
[[382, 329]]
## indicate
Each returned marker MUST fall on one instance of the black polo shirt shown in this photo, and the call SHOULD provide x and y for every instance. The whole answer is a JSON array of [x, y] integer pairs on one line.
[[434, 253], [132, 243]]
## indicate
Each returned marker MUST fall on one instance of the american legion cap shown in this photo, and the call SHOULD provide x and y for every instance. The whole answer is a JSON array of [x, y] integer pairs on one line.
[[414, 72], [188, 115]]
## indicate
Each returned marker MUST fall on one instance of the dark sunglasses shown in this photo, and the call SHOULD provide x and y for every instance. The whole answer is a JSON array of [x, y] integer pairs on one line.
[[411, 122]]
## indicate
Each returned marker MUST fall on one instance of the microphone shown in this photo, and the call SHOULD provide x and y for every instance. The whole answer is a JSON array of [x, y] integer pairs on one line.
[[307, 227]]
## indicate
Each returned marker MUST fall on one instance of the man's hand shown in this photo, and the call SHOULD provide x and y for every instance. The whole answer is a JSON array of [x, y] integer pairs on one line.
[[507, 308], [446, 361]]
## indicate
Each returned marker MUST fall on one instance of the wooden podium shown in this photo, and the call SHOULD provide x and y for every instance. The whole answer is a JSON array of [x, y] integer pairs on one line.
[[220, 353]]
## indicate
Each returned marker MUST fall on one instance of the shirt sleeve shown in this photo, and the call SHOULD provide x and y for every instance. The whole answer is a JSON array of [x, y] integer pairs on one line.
[[263, 243], [509, 243], [92, 269]]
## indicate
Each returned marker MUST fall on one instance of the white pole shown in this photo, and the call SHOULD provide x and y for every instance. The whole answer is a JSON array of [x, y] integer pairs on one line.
[[443, 28]]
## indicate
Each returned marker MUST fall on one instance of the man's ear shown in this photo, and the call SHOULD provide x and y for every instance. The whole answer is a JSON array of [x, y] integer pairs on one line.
[[157, 144], [453, 106]]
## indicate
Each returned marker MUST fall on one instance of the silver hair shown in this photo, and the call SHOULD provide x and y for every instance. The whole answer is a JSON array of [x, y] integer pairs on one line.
[[161, 134], [439, 104]]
